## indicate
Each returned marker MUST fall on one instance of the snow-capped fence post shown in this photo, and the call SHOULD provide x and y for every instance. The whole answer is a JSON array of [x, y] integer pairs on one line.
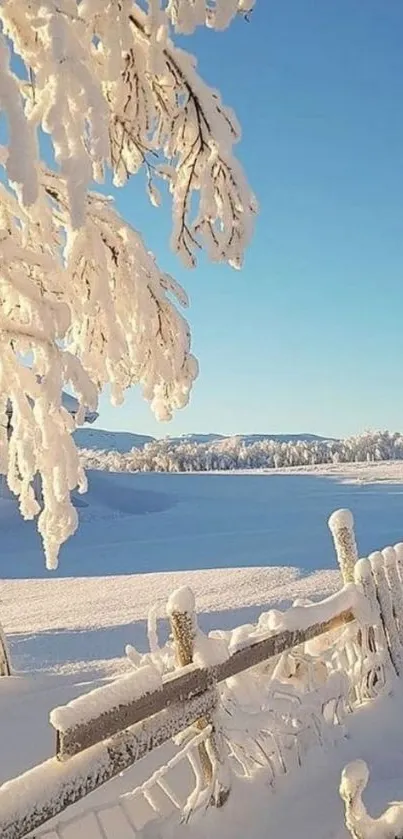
[[341, 524], [379, 664], [183, 622], [182, 619]]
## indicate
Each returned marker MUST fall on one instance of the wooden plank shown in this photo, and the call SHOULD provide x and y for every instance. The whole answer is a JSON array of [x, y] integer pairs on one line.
[[32, 799], [191, 682]]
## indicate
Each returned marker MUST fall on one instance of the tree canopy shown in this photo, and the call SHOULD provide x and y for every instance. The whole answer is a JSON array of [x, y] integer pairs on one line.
[[83, 303]]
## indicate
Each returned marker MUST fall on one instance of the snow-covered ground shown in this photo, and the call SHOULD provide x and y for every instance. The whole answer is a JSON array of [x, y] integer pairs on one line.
[[306, 804], [131, 523], [243, 542]]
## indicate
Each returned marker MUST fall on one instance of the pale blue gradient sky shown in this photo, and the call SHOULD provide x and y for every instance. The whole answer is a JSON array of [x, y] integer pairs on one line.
[[308, 336]]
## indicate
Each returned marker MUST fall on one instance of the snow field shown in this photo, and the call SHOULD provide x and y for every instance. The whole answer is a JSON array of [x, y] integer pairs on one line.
[[68, 634]]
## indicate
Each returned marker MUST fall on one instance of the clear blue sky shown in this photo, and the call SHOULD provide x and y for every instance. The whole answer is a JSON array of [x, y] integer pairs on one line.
[[309, 335]]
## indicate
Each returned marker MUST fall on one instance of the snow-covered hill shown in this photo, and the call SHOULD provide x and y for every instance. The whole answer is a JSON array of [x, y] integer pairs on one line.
[[124, 441], [249, 438], [285, 438], [118, 441]]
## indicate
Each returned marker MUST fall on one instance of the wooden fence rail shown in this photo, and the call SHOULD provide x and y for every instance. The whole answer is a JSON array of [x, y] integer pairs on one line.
[[32, 799], [193, 681]]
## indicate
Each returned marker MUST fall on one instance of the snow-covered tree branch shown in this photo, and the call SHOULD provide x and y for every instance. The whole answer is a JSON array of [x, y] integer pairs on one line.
[[82, 300]]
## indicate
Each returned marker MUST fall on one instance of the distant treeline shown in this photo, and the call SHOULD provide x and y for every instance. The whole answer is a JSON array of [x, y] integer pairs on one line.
[[235, 453]]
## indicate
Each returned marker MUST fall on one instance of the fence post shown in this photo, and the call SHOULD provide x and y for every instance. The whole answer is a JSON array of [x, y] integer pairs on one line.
[[5, 666], [183, 622], [376, 635], [341, 524], [390, 558], [384, 596]]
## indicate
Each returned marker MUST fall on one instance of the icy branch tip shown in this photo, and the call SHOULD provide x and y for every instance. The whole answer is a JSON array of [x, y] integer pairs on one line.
[[182, 600], [341, 518]]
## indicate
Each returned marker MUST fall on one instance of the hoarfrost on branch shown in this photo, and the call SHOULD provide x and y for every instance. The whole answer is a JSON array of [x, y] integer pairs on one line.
[[83, 303]]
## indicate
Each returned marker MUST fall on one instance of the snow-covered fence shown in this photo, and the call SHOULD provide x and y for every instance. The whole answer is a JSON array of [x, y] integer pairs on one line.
[[159, 711], [253, 699], [86, 721], [381, 577]]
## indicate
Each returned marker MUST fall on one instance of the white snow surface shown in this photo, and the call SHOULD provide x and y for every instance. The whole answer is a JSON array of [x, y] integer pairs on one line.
[[68, 631], [141, 537]]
